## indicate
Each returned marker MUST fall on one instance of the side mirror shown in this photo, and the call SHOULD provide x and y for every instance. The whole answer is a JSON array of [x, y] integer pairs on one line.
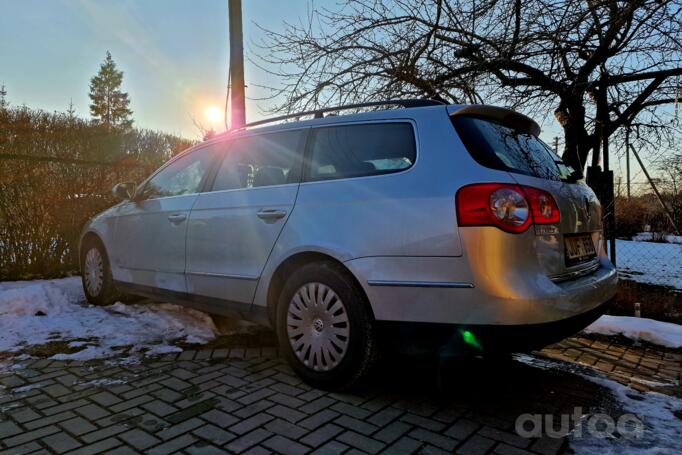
[[125, 190]]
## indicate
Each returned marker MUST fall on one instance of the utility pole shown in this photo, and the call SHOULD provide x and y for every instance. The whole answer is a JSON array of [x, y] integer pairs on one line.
[[608, 193], [627, 159], [237, 97], [556, 144]]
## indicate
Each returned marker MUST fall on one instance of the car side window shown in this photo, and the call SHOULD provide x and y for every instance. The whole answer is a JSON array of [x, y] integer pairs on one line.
[[263, 160], [182, 176], [360, 150]]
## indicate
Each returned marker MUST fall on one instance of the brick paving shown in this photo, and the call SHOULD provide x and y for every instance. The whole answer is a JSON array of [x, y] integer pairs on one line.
[[644, 368], [247, 400]]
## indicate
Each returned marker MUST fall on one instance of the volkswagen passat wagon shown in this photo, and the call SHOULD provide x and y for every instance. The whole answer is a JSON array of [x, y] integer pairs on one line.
[[432, 222]]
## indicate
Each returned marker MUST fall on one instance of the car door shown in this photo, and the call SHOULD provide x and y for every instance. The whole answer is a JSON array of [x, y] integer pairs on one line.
[[233, 228], [151, 229]]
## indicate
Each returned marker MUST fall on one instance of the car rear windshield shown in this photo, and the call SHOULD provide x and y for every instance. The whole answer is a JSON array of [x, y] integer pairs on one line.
[[497, 146]]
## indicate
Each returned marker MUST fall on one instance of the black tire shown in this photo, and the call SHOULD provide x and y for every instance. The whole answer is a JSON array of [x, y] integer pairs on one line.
[[361, 348], [106, 294]]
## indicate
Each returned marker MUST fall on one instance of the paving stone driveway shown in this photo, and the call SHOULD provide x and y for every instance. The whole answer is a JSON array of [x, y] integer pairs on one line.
[[249, 401]]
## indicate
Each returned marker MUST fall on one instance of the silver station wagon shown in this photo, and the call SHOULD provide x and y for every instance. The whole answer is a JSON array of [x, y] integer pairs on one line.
[[449, 229]]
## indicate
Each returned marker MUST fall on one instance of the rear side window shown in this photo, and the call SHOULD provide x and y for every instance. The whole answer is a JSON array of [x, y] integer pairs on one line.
[[359, 150], [265, 160], [499, 147]]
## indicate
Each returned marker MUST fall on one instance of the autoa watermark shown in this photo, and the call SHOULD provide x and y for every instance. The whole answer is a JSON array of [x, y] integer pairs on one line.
[[579, 425]]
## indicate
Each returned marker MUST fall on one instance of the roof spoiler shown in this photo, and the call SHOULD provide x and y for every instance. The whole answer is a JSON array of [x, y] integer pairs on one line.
[[505, 116]]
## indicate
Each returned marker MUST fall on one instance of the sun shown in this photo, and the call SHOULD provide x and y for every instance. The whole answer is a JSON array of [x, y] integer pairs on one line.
[[213, 114]]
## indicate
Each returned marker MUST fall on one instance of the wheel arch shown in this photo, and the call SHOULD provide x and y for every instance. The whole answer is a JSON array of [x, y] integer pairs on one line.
[[89, 236], [292, 263]]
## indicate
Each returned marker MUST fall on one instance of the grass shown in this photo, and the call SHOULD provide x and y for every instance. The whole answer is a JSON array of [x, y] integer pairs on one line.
[[53, 347], [260, 337]]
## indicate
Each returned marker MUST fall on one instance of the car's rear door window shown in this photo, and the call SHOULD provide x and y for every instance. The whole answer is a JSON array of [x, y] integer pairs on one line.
[[347, 151], [261, 160], [497, 146]]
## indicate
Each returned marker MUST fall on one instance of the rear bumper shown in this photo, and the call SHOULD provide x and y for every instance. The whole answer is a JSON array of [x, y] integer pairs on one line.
[[468, 339], [447, 291]]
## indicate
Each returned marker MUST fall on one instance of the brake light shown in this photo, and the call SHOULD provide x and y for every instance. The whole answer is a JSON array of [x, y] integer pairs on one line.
[[543, 206], [512, 208]]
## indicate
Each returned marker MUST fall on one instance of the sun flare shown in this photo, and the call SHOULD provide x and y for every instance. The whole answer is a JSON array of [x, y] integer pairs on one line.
[[213, 114]]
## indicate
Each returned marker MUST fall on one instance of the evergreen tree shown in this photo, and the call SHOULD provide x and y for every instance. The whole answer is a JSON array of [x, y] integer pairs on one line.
[[71, 111], [109, 105]]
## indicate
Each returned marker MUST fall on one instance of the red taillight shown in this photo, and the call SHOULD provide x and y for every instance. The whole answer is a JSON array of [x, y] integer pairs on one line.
[[543, 206], [512, 208]]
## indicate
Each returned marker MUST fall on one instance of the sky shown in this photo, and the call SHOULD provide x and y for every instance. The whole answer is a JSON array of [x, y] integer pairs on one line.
[[174, 54]]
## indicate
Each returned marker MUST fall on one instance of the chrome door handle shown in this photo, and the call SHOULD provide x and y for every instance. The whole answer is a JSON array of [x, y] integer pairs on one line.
[[177, 218], [271, 215]]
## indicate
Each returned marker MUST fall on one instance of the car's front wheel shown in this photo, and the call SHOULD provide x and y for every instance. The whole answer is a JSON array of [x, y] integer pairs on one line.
[[98, 284], [324, 326]]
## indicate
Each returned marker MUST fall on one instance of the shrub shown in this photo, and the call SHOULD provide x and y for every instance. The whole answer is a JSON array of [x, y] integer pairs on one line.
[[44, 204], [631, 217]]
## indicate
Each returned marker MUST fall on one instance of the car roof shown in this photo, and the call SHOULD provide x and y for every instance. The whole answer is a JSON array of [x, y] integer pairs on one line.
[[332, 119], [405, 113]]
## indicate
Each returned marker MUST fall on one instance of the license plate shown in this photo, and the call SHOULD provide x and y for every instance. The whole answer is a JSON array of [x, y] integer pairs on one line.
[[579, 248]]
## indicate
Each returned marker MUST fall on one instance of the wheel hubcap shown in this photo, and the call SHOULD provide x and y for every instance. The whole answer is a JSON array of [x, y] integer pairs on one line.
[[317, 327], [94, 271]]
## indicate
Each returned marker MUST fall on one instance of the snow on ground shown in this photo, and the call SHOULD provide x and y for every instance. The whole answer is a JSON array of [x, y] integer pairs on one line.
[[38, 312], [656, 332], [662, 428], [648, 236], [649, 262]]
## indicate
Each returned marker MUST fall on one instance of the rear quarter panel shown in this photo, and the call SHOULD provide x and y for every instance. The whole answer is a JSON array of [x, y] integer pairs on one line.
[[408, 213]]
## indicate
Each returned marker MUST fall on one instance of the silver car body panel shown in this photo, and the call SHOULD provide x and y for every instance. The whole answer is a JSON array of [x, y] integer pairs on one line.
[[148, 245], [228, 244], [396, 233], [512, 291]]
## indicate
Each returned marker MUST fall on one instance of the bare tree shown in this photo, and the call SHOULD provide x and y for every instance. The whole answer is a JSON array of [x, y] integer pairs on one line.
[[596, 65], [671, 169]]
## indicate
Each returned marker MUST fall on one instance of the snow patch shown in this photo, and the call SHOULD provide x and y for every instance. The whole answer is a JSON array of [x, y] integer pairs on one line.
[[104, 382], [37, 312], [656, 332], [662, 428], [27, 388], [649, 236], [4, 409]]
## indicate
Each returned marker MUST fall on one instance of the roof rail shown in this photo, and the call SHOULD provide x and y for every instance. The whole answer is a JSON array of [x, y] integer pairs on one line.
[[319, 113]]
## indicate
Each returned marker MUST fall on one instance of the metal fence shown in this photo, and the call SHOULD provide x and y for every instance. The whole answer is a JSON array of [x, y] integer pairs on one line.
[[650, 272], [648, 214]]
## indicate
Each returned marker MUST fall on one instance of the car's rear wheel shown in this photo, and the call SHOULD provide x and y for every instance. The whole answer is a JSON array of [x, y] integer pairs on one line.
[[324, 326], [98, 284]]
